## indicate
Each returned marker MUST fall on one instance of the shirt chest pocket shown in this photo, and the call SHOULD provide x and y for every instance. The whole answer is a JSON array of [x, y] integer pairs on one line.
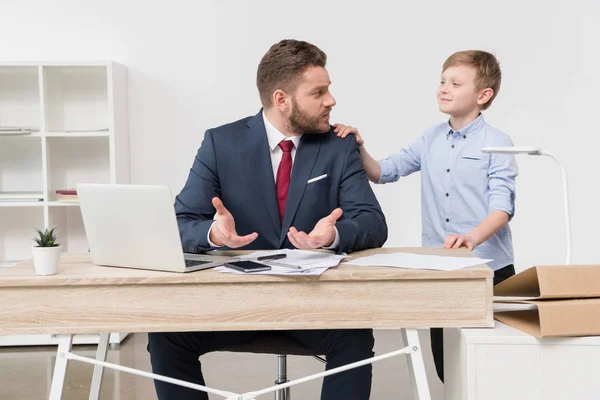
[[473, 170]]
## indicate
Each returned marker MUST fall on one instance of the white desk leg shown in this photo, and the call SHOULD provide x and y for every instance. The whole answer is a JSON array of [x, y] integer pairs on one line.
[[416, 366], [99, 369], [60, 366]]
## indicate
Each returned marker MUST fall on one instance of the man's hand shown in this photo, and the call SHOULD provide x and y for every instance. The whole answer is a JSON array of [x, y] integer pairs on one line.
[[454, 241], [223, 232], [322, 235], [343, 131]]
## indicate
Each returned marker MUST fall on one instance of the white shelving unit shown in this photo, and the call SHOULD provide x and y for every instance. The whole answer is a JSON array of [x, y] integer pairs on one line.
[[61, 123]]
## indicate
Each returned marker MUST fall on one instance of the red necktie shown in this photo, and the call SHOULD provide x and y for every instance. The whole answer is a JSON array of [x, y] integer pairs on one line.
[[282, 182]]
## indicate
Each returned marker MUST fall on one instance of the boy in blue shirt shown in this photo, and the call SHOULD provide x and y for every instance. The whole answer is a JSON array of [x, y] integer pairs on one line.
[[468, 197]]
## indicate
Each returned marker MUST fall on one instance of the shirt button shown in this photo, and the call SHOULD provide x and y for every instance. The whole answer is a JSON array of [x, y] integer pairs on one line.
[[447, 194], [448, 170], [447, 219], [453, 146], [464, 136]]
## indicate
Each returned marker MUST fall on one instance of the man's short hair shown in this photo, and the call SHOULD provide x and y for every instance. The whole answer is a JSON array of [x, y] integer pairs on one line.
[[283, 65]]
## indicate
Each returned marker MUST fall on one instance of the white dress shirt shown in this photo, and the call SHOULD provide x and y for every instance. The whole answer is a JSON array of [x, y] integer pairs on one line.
[[274, 136]]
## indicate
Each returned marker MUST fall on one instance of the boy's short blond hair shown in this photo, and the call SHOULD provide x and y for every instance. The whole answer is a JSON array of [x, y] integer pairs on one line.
[[486, 65]]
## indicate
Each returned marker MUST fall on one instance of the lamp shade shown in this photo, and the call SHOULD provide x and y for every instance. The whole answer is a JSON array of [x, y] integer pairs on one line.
[[513, 150]]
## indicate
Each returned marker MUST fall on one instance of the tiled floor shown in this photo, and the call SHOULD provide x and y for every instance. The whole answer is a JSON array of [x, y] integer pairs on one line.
[[26, 372]]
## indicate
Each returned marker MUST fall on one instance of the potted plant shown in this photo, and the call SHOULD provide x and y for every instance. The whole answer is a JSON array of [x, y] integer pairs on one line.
[[46, 252]]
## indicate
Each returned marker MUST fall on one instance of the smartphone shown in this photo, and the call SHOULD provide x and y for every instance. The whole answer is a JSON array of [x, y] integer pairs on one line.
[[247, 266]]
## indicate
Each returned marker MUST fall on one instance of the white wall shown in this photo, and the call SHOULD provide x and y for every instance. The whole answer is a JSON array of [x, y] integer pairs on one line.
[[192, 66]]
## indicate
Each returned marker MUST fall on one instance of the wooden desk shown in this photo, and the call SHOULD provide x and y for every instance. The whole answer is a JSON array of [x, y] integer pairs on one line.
[[85, 298]]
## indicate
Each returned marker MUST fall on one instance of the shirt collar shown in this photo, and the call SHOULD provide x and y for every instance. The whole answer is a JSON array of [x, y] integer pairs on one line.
[[468, 130], [274, 136]]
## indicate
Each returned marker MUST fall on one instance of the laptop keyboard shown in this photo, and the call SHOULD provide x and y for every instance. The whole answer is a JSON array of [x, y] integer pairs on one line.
[[191, 263]]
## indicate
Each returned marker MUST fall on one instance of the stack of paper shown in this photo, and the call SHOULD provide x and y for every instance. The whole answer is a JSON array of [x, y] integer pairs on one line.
[[296, 262], [418, 261]]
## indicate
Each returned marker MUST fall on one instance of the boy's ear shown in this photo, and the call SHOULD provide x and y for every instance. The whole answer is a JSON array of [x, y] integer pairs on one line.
[[485, 96]]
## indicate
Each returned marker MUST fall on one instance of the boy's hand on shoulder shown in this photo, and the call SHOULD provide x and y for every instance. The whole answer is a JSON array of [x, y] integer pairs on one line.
[[454, 241], [344, 130]]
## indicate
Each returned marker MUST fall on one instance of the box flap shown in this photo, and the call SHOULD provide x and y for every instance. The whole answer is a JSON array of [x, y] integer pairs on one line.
[[553, 282], [527, 321], [555, 318]]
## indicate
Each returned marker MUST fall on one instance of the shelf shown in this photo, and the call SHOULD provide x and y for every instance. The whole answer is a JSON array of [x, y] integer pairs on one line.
[[21, 203], [37, 204], [17, 230], [57, 63], [73, 160], [28, 135], [71, 232], [91, 134], [76, 98], [77, 134], [21, 164], [19, 97], [62, 204]]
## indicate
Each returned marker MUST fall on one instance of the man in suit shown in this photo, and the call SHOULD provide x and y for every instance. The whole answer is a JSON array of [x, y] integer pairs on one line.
[[279, 179]]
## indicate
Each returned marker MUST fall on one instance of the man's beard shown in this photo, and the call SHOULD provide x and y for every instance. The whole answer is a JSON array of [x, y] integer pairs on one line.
[[300, 122]]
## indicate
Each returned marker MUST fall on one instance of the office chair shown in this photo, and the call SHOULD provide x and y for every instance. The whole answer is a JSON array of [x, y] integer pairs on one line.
[[275, 343]]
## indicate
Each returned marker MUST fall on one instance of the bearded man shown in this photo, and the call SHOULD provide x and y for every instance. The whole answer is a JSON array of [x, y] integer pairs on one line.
[[279, 179]]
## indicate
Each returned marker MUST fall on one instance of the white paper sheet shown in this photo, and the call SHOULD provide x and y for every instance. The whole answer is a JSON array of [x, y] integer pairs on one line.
[[307, 262], [418, 261]]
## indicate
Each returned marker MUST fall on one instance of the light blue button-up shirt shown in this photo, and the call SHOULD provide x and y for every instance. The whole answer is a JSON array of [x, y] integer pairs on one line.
[[460, 185]]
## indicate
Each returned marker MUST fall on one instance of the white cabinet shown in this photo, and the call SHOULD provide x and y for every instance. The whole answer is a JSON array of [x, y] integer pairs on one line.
[[61, 123], [504, 363]]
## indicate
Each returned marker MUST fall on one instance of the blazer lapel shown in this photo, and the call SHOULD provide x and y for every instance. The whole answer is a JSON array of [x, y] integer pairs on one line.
[[305, 158], [262, 169]]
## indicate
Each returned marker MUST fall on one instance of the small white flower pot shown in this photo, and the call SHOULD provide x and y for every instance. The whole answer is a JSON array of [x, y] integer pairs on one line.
[[45, 259]]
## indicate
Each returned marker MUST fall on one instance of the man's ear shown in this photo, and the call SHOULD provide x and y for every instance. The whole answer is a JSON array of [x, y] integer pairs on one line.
[[281, 100], [485, 96]]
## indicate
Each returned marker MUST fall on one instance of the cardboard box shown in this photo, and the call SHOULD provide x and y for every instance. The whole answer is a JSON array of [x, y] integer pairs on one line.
[[563, 300]]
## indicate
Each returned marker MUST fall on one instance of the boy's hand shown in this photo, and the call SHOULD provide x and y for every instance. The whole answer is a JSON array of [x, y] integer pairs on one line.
[[343, 131], [454, 241]]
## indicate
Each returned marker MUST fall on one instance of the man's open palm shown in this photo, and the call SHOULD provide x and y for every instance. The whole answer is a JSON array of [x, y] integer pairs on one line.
[[223, 231], [322, 235]]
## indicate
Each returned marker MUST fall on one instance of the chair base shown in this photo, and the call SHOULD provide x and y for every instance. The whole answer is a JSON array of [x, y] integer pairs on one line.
[[283, 394]]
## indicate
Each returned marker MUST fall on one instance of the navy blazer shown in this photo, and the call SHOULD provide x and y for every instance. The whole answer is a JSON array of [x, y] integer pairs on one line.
[[234, 164]]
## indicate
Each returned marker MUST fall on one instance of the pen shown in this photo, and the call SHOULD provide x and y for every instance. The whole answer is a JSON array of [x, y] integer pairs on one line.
[[272, 257], [282, 264]]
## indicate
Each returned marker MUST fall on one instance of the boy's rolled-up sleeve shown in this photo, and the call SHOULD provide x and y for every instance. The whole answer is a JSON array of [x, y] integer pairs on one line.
[[501, 180], [402, 164]]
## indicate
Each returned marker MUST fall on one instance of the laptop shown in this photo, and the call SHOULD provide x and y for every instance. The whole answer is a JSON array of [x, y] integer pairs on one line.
[[134, 226]]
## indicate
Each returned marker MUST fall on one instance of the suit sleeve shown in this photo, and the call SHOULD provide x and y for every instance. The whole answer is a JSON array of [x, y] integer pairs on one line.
[[362, 224], [193, 206]]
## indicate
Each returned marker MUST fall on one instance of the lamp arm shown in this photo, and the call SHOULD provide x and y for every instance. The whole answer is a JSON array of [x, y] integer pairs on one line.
[[566, 200]]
